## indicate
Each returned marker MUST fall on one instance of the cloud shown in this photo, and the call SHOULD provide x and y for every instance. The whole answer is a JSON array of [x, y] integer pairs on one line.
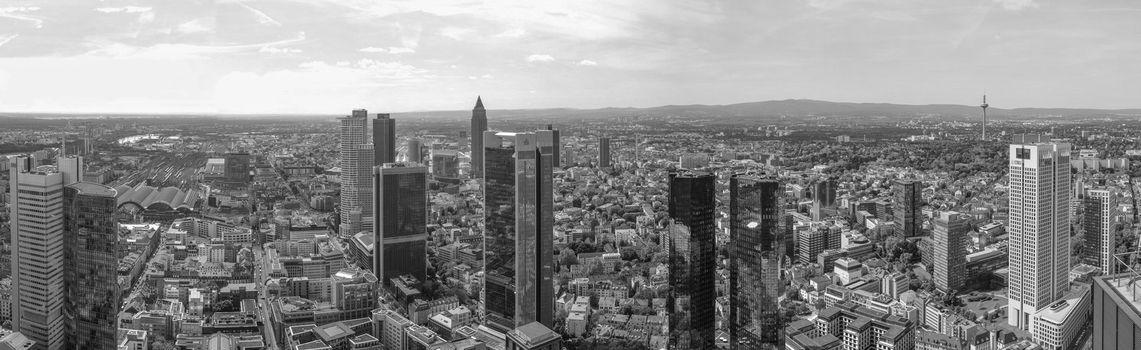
[[320, 87], [17, 13], [540, 58], [124, 9], [261, 17], [1016, 5], [457, 33], [4, 39], [277, 50], [199, 25], [391, 50], [587, 63], [106, 48], [512, 33]]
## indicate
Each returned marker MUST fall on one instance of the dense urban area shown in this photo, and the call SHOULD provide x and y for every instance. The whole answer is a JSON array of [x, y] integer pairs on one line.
[[638, 229]]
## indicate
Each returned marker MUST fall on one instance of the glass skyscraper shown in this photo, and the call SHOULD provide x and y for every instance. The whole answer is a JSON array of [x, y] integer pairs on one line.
[[383, 139], [400, 193], [518, 230], [907, 215], [693, 260], [91, 256], [756, 243]]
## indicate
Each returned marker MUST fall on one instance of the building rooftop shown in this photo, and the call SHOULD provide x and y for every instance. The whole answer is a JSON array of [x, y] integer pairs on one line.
[[533, 333]]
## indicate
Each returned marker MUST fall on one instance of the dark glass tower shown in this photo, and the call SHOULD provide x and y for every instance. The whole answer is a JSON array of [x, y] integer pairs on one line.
[[518, 231], [556, 152], [237, 167], [383, 139], [693, 260], [400, 192], [907, 199], [91, 259], [756, 244], [478, 126], [604, 152]]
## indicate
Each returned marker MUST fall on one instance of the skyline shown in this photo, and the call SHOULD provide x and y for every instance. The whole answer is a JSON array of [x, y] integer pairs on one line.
[[320, 56]]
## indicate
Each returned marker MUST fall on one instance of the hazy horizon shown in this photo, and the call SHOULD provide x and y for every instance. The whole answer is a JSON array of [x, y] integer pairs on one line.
[[305, 57]]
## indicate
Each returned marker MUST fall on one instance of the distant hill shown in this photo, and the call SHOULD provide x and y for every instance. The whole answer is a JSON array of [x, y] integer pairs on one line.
[[748, 110]]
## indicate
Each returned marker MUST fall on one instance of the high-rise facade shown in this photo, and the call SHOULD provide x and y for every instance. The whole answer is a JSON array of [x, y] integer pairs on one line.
[[693, 260], [415, 150], [549, 144], [1116, 319], [1039, 227], [908, 197], [518, 231], [356, 168], [556, 151], [755, 237], [950, 236], [1100, 211], [383, 139], [91, 255], [604, 152], [237, 167], [478, 126], [37, 235], [824, 193], [400, 233]]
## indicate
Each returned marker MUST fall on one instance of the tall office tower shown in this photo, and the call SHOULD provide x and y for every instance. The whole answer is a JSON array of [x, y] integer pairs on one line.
[[908, 197], [400, 232], [237, 167], [383, 139], [549, 144], [604, 152], [445, 164], [1100, 207], [693, 260], [91, 263], [415, 151], [824, 193], [950, 235], [556, 154], [1115, 305], [356, 168], [1039, 227], [755, 237], [37, 229], [518, 231], [478, 126], [569, 158]]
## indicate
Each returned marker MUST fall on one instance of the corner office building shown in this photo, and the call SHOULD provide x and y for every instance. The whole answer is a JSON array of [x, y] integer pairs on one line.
[[400, 211], [756, 239], [693, 260]]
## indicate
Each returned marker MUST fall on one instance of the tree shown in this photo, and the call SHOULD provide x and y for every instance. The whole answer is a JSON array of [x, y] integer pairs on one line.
[[567, 257]]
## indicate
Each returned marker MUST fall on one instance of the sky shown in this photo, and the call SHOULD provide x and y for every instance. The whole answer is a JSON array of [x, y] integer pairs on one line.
[[331, 56]]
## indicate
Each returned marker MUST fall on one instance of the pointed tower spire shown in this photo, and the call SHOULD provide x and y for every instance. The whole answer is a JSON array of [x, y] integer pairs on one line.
[[478, 102]]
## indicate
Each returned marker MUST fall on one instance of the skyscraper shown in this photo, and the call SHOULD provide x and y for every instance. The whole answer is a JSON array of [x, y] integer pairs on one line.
[[693, 260], [908, 197], [1039, 227], [383, 139], [604, 152], [824, 193], [414, 151], [756, 239], [356, 167], [91, 255], [549, 144], [950, 236], [37, 229], [237, 167], [556, 152], [478, 126], [400, 233], [1100, 209], [518, 231]]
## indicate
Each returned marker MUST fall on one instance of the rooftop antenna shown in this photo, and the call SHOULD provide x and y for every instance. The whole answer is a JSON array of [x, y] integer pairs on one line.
[[984, 106]]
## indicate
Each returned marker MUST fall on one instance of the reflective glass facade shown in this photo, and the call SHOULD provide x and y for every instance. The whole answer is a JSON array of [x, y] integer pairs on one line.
[[91, 258], [401, 212], [693, 260], [756, 244]]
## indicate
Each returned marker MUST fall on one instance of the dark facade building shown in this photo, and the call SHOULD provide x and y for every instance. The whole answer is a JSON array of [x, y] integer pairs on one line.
[[755, 235], [445, 165], [237, 167], [383, 139], [91, 262], [824, 193], [518, 231], [693, 260], [549, 144], [1116, 319], [478, 126], [556, 152], [908, 197], [415, 151], [401, 211], [950, 236], [604, 152]]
